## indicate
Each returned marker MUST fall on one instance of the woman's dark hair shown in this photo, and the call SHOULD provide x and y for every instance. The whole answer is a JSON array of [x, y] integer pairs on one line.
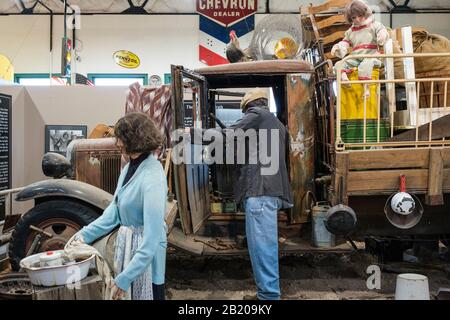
[[357, 8], [138, 133], [260, 102]]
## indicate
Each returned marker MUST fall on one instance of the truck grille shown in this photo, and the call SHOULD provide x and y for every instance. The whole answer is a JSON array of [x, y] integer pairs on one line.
[[109, 172]]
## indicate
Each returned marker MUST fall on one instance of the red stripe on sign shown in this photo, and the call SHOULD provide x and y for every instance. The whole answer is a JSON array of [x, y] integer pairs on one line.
[[210, 58], [365, 46]]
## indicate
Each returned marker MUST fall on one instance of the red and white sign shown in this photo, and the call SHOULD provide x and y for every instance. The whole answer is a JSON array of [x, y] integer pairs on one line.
[[227, 12]]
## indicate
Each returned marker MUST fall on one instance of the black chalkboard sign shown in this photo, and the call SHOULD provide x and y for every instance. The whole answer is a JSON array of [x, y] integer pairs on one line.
[[5, 148], [188, 115]]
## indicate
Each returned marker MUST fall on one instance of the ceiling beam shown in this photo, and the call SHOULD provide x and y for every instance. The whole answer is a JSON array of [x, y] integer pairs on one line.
[[26, 10], [136, 9], [396, 8]]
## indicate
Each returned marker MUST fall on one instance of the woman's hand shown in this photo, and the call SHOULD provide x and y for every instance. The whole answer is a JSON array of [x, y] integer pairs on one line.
[[117, 293], [75, 241]]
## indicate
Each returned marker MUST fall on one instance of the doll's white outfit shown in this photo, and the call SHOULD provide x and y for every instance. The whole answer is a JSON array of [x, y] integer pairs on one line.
[[363, 39]]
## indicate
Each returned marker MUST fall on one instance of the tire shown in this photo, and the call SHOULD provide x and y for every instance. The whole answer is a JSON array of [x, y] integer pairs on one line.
[[58, 217]]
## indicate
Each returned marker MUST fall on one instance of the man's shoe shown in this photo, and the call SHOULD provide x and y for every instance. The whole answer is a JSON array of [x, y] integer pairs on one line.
[[250, 297]]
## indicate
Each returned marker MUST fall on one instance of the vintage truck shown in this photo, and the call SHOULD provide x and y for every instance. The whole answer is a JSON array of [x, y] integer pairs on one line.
[[356, 179]]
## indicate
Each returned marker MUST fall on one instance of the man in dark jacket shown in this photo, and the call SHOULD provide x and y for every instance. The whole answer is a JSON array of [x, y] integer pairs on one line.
[[263, 191]]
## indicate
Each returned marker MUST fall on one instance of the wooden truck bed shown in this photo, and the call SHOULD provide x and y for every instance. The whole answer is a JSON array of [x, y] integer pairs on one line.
[[376, 172]]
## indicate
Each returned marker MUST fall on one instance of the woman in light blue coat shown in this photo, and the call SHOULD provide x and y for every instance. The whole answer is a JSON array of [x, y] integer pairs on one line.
[[138, 207]]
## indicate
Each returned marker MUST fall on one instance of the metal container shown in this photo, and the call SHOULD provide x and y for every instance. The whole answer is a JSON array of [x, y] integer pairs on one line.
[[55, 275], [51, 259], [411, 286], [216, 207], [321, 237], [229, 207]]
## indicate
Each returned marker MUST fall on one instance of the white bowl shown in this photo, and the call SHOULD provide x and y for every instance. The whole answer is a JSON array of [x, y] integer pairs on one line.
[[55, 275]]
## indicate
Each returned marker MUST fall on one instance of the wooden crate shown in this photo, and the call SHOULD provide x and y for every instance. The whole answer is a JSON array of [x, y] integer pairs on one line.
[[324, 23], [90, 288], [439, 100]]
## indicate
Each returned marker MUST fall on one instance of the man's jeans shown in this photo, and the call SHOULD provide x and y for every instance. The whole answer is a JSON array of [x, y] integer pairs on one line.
[[262, 240]]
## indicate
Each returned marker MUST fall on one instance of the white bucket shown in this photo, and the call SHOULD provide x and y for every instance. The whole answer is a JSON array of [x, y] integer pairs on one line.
[[411, 286]]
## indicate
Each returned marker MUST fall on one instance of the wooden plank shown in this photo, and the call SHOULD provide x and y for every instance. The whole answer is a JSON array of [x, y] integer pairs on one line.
[[339, 18], [446, 157], [436, 113], [239, 217], [341, 177], [386, 180], [314, 26], [182, 197], [168, 162], [434, 196], [410, 73], [171, 214], [441, 129], [390, 75], [389, 159], [90, 288], [334, 37], [331, 4], [329, 56]]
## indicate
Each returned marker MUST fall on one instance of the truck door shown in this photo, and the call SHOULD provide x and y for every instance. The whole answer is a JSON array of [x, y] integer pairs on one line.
[[189, 103]]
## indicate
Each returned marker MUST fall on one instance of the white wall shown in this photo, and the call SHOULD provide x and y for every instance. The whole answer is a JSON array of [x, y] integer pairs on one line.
[[36, 106], [159, 40]]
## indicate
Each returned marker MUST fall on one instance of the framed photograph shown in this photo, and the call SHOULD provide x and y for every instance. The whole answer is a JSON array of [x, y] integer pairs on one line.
[[58, 137]]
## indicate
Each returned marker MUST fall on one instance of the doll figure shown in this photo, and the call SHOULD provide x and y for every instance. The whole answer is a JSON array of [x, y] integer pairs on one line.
[[364, 37]]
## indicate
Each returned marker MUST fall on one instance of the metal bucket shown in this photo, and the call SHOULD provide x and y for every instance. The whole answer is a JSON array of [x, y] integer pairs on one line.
[[321, 237]]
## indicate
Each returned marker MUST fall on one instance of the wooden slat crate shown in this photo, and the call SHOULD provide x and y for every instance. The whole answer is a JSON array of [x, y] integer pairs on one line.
[[439, 100]]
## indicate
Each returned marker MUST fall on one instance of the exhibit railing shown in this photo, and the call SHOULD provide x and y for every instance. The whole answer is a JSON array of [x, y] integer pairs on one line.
[[422, 107]]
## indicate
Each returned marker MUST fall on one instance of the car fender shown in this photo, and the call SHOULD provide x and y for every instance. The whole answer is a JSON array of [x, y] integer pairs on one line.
[[66, 188]]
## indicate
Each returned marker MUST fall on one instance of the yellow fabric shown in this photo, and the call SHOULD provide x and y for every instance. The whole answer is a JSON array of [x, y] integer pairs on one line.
[[352, 99]]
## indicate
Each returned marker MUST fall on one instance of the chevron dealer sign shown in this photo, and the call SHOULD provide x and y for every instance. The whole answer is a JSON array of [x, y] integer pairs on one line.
[[217, 19]]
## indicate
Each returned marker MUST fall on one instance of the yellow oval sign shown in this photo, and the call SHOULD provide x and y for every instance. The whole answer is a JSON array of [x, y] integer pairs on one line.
[[6, 69], [126, 59]]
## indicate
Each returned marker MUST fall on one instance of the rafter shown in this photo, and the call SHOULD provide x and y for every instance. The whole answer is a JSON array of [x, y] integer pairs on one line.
[[133, 9], [401, 7], [26, 10]]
